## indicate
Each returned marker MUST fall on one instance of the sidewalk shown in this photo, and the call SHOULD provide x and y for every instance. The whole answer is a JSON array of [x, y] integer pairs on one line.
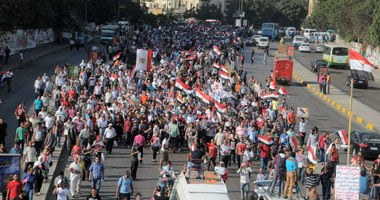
[[31, 55], [361, 113]]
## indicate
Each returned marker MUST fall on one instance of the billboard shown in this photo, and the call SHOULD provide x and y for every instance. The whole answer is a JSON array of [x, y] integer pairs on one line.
[[9, 165]]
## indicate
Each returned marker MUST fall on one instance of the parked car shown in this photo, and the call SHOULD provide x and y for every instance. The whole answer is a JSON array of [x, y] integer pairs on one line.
[[319, 48], [304, 47], [263, 42], [368, 142], [298, 40], [316, 64]]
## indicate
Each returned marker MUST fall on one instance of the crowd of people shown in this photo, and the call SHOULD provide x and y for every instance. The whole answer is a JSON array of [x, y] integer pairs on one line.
[[196, 97]]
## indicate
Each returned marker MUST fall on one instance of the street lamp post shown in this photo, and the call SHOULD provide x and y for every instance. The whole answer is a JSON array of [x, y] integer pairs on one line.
[[349, 122]]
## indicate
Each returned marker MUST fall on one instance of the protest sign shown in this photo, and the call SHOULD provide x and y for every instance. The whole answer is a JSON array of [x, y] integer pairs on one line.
[[302, 112], [347, 182]]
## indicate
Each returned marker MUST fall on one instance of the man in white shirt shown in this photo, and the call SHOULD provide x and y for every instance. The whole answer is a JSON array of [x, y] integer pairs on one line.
[[75, 170], [49, 121], [109, 135], [102, 125]]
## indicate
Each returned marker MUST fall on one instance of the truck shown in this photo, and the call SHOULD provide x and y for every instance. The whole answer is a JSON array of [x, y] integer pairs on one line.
[[283, 69], [109, 33]]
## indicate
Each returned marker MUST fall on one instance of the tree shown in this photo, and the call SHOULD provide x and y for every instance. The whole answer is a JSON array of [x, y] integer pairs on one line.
[[374, 29], [291, 12], [259, 11], [209, 11]]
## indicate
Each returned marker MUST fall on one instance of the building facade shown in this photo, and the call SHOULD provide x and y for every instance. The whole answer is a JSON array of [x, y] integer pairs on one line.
[[164, 6]]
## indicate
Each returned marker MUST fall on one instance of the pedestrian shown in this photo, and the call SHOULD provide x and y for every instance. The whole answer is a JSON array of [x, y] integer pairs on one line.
[[244, 171], [321, 146], [264, 157], [61, 178], [225, 152], [94, 195], [3, 131], [301, 163], [138, 196], [71, 44], [109, 136], [13, 188], [173, 135], [74, 170], [124, 189], [324, 83], [38, 172], [302, 130], [311, 183], [164, 151], [28, 180], [96, 174], [134, 160], [252, 55], [279, 172], [328, 80], [7, 52], [364, 185], [20, 135], [140, 139], [291, 174], [326, 176], [266, 51], [320, 81], [20, 113], [155, 144], [37, 105], [29, 156], [21, 56], [62, 192]]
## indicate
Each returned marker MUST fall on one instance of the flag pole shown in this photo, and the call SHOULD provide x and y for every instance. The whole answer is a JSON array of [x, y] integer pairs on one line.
[[349, 122]]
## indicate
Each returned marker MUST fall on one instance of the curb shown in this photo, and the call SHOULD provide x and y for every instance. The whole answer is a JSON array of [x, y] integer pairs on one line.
[[332, 103]]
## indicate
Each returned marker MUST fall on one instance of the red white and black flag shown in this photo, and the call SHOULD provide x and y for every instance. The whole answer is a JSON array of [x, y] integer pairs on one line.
[[360, 67]]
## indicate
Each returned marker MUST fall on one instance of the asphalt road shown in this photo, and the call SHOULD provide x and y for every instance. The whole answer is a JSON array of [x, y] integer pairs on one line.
[[22, 86], [369, 96]]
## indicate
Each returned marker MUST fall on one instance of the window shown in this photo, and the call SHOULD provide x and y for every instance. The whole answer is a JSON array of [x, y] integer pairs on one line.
[[327, 50], [267, 25], [340, 51]]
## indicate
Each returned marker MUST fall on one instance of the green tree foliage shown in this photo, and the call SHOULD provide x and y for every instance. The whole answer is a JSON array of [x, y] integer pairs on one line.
[[291, 12], [352, 19], [259, 11], [209, 11]]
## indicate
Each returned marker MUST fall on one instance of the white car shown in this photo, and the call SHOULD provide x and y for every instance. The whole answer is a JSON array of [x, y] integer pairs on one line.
[[298, 40], [319, 48], [263, 42], [305, 47], [256, 37]]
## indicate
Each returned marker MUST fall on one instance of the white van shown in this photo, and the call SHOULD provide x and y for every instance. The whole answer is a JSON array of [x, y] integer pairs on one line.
[[211, 187], [308, 32]]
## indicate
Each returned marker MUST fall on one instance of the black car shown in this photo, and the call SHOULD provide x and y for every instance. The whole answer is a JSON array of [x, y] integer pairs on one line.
[[359, 80], [251, 42], [368, 142], [316, 64]]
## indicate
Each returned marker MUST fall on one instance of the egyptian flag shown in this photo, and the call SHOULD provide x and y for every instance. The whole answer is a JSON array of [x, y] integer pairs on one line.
[[272, 85], [311, 155], [119, 88], [220, 107], [223, 68], [179, 98], [273, 95], [294, 142], [216, 65], [116, 57], [116, 63], [343, 137], [188, 53], [224, 75], [159, 101], [113, 77], [182, 86], [204, 97], [266, 140], [217, 50], [282, 91], [133, 70], [360, 67], [170, 110]]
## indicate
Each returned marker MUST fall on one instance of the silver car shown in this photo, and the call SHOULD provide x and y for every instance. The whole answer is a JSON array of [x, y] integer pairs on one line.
[[319, 48]]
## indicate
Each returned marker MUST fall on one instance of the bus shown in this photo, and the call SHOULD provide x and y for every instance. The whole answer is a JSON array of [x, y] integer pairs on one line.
[[109, 33], [210, 187], [213, 22], [336, 56], [270, 30]]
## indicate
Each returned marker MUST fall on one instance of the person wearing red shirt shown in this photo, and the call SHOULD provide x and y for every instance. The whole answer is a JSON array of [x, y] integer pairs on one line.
[[77, 149], [321, 147], [14, 188], [291, 118], [212, 151], [127, 131], [264, 157]]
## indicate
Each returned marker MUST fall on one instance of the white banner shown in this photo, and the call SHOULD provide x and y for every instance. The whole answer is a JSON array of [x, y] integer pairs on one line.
[[347, 182], [141, 60]]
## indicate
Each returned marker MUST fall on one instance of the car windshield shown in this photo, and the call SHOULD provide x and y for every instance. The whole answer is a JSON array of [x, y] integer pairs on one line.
[[263, 39], [267, 25], [340, 51], [371, 138], [320, 62], [299, 39], [305, 45]]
